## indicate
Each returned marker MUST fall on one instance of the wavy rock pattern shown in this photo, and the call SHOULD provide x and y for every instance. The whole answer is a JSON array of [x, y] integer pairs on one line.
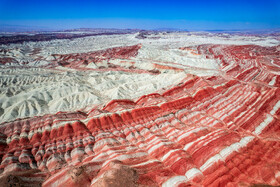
[[205, 131], [24, 94]]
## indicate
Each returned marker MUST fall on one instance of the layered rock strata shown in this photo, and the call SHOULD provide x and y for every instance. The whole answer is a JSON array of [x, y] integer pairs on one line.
[[205, 131]]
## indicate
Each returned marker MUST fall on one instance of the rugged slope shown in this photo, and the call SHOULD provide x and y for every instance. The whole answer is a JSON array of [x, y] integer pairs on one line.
[[203, 115]]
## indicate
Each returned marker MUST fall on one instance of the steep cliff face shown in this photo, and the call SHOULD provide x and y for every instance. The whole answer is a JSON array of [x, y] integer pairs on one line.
[[222, 129]]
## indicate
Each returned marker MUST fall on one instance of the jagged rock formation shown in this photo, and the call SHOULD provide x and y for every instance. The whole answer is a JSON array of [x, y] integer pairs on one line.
[[204, 131]]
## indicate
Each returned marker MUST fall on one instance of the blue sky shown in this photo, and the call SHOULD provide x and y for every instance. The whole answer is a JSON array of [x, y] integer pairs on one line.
[[183, 14]]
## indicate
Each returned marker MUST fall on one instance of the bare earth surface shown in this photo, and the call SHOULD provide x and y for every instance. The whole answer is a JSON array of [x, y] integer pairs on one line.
[[140, 109]]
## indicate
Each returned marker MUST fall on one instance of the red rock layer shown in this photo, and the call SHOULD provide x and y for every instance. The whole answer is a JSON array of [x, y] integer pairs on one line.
[[209, 131], [246, 63], [7, 60], [101, 60], [76, 60]]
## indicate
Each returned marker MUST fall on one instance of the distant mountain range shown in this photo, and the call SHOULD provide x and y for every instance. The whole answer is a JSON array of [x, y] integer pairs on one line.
[[22, 28], [256, 31]]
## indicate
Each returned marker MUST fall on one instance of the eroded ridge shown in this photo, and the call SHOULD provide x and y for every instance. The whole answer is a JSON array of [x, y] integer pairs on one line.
[[208, 130], [77, 60], [249, 63]]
